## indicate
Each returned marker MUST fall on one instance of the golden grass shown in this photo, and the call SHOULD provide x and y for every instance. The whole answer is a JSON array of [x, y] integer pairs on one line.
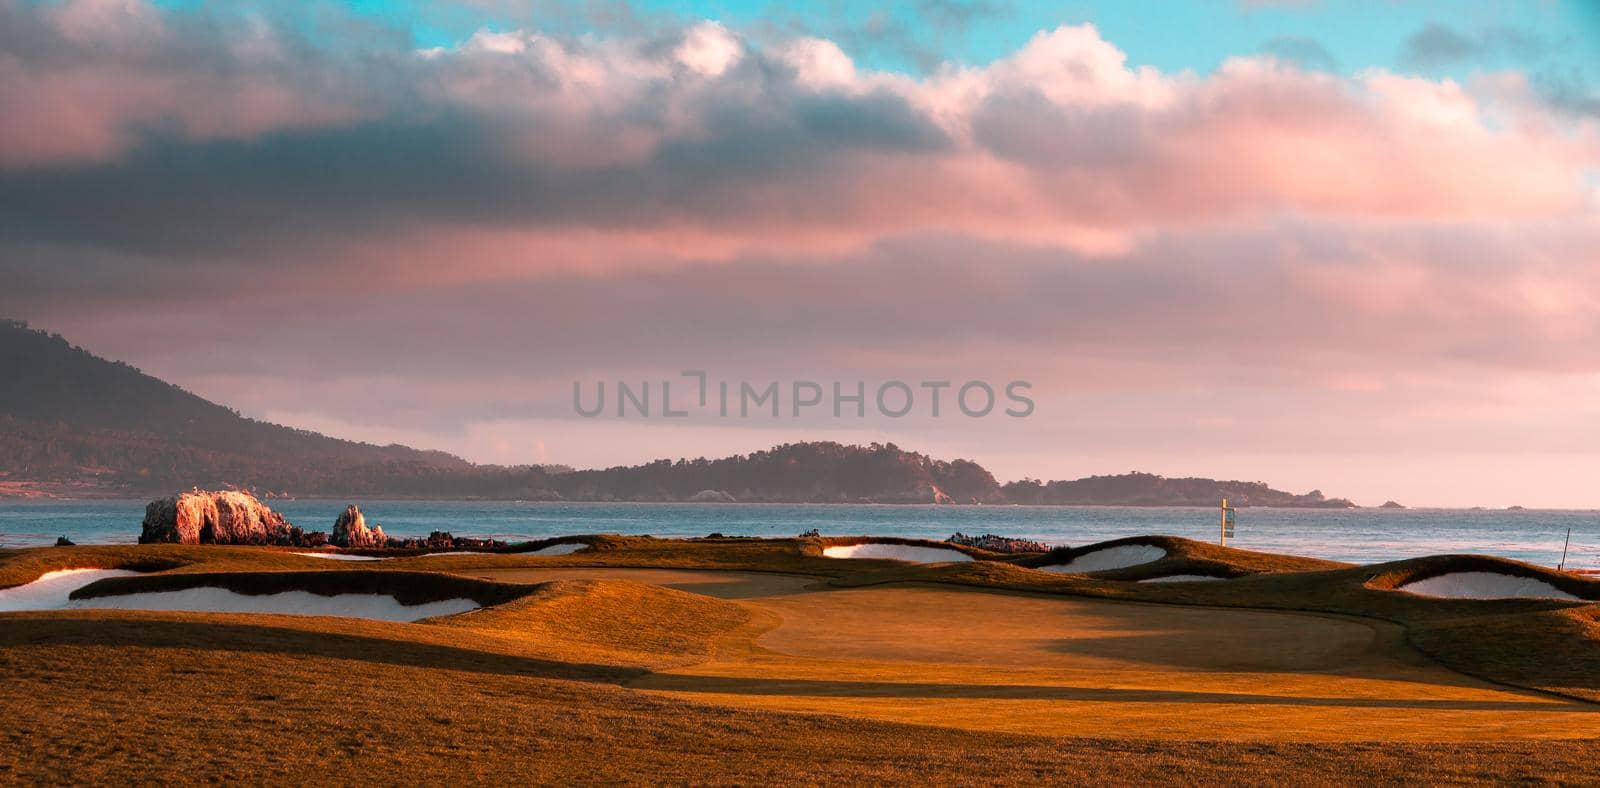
[[610, 621], [991, 661], [1187, 557], [986, 656], [119, 697]]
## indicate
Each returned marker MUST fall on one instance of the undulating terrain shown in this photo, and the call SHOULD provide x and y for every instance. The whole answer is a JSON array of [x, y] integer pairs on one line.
[[742, 660]]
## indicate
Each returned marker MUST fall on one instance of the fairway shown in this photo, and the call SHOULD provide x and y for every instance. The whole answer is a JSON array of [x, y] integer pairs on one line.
[[1022, 663], [761, 661]]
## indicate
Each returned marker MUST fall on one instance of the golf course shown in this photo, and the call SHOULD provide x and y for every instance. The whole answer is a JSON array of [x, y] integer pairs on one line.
[[632, 659]]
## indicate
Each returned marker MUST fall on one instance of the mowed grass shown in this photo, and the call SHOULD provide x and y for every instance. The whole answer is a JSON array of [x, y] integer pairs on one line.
[[591, 669], [1528, 643], [989, 661], [119, 697]]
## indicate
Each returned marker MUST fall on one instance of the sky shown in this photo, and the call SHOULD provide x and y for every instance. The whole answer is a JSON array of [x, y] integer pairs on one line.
[[1345, 246]]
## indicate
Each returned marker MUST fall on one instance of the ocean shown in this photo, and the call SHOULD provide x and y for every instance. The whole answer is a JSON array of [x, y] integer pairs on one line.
[[1355, 535]]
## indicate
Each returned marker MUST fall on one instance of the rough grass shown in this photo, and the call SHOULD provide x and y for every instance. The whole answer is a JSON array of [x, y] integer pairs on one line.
[[113, 697], [1547, 645], [1554, 650]]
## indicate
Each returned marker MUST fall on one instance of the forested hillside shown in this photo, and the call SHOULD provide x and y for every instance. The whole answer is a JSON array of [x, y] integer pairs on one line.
[[72, 421]]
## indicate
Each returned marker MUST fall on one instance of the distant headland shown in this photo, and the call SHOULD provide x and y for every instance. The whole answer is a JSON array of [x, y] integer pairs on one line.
[[76, 425]]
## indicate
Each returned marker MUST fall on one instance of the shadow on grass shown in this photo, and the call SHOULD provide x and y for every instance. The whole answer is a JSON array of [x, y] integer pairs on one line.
[[721, 584], [876, 689], [157, 631]]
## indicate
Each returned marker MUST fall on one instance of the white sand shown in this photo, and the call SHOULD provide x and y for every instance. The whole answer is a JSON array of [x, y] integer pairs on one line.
[[1107, 558], [344, 557], [1181, 579], [564, 548], [454, 552], [1484, 585], [52, 589], [381, 607], [897, 552]]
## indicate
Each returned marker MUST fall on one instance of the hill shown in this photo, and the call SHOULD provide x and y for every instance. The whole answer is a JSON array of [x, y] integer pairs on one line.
[[68, 416], [1145, 489], [72, 422]]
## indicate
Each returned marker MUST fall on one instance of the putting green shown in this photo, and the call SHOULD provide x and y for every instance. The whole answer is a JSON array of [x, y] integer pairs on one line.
[[983, 660]]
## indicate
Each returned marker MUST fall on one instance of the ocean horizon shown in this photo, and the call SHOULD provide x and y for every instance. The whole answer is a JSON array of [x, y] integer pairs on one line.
[[1364, 536]]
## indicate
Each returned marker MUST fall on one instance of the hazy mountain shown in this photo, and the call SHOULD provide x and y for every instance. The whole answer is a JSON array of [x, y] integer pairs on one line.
[[1145, 489], [75, 423], [68, 415]]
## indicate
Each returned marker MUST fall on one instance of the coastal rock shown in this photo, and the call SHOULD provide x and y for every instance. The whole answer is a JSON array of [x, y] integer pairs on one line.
[[220, 517], [351, 530], [712, 496], [923, 492], [444, 540], [1392, 505], [999, 544]]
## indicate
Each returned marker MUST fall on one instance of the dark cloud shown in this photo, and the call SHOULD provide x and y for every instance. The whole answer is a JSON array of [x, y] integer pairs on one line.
[[959, 15], [1569, 90], [1303, 51], [609, 202], [1441, 46]]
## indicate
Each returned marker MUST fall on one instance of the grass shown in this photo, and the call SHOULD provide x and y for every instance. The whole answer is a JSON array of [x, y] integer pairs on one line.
[[185, 700], [1360, 591], [1185, 557], [610, 621], [580, 672]]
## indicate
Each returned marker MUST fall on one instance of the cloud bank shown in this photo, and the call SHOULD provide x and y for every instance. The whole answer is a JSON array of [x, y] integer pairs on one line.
[[446, 237]]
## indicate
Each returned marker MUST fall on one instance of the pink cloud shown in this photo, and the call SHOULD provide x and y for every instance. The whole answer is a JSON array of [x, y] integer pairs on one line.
[[435, 244]]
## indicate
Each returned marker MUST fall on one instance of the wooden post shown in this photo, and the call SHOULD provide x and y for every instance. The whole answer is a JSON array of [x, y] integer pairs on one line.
[[1222, 530], [1562, 567]]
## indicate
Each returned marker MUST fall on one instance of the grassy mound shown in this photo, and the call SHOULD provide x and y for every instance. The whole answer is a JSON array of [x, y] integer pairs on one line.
[[814, 545], [611, 621], [1184, 557], [1441, 627], [1395, 575], [1552, 650]]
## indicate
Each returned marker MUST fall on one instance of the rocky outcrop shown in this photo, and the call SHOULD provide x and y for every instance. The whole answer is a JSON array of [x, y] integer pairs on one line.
[[923, 492], [220, 517], [712, 496], [1392, 505], [999, 544], [351, 530]]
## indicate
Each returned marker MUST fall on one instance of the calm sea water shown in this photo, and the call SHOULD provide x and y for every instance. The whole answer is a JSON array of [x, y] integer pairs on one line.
[[1359, 535]]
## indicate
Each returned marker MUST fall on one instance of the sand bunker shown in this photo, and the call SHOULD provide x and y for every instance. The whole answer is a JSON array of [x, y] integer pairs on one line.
[[1181, 578], [1484, 585], [53, 589], [343, 557], [1105, 559], [381, 607], [454, 552], [897, 552], [564, 548]]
